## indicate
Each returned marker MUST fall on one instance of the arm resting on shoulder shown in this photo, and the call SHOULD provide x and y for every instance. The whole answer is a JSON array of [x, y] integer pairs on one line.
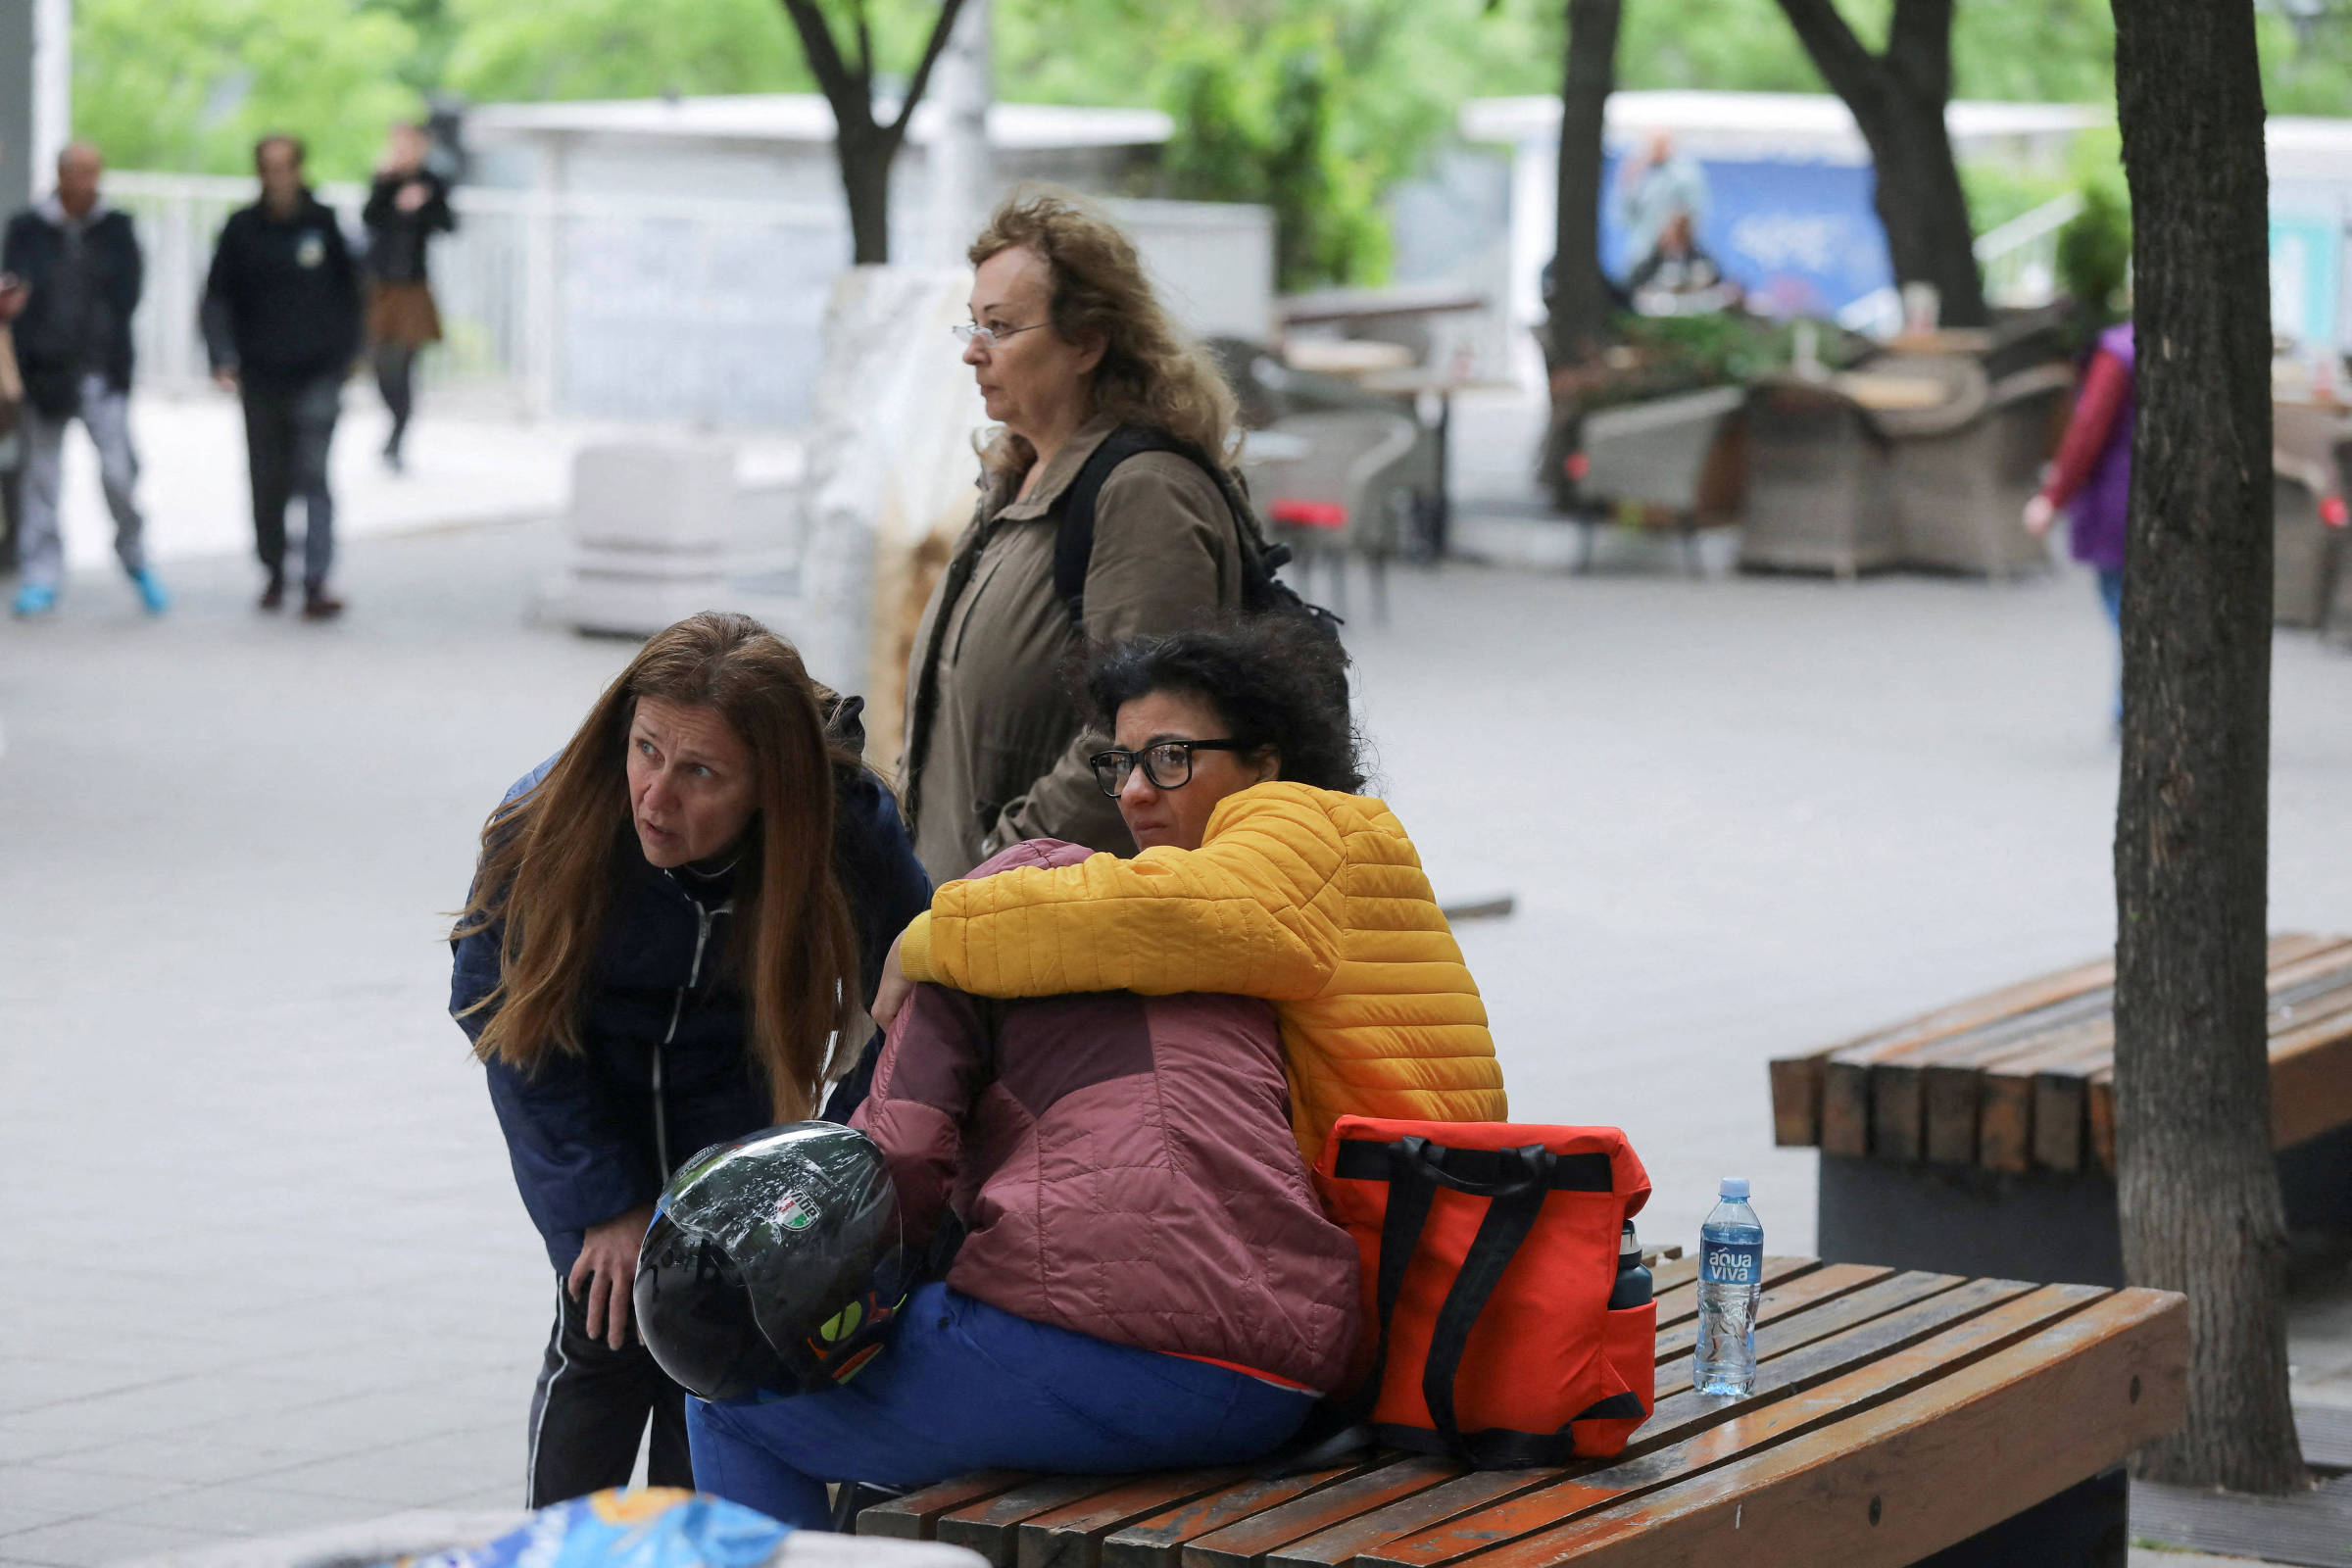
[[1247, 914]]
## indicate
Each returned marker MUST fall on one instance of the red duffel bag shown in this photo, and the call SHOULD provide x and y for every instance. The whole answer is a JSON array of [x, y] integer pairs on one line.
[[1490, 1253]]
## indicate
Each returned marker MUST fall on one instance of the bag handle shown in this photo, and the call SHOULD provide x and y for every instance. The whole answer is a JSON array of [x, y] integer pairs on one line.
[[1515, 1202]]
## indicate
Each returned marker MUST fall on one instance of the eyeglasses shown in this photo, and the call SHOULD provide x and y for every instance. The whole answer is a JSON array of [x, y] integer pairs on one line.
[[1168, 764], [991, 337]]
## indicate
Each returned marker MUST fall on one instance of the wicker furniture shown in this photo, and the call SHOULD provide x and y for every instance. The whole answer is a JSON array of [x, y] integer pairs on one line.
[[1820, 493]]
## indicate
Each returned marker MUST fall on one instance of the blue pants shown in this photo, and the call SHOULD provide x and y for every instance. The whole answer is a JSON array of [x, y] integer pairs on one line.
[[963, 1386], [2110, 600]]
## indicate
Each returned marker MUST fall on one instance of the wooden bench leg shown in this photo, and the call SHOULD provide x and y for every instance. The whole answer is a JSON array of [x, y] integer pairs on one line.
[[2085, 1526]]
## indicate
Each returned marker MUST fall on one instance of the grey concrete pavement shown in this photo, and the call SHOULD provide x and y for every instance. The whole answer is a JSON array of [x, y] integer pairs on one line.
[[270, 1270]]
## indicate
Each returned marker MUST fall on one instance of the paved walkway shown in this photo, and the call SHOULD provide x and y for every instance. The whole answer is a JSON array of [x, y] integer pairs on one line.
[[462, 470], [269, 1268]]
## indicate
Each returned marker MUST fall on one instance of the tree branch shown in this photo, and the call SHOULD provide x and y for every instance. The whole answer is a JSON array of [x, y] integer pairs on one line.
[[1850, 70], [851, 105], [949, 11]]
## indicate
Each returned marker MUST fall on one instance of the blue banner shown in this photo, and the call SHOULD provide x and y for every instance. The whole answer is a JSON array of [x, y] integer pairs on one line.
[[1801, 238]]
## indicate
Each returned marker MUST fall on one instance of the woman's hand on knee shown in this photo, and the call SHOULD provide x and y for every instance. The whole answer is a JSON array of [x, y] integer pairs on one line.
[[607, 1271]]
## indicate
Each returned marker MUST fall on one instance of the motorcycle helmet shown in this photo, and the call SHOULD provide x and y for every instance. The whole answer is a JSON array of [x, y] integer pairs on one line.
[[773, 1265]]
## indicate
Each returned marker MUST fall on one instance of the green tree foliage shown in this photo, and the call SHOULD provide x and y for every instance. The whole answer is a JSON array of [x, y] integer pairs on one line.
[[499, 51], [190, 84], [1263, 127]]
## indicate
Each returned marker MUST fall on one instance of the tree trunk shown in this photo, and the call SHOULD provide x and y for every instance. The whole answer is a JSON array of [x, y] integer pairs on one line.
[[1924, 210], [1580, 300], [1898, 100], [2197, 1186], [866, 154], [864, 147]]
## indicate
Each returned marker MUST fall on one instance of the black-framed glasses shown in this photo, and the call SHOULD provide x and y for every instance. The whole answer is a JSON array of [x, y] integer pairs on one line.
[[1168, 764]]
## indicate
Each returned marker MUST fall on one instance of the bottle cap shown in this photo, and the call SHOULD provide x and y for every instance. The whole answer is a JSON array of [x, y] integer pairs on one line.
[[1734, 1187]]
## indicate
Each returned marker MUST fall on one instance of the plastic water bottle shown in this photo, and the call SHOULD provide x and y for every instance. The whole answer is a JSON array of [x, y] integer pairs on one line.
[[1731, 1282]]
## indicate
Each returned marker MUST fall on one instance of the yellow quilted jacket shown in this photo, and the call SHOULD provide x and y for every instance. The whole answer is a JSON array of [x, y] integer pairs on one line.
[[1312, 900]]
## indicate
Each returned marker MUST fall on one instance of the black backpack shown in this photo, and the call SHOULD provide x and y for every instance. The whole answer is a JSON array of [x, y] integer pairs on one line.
[[1262, 592]]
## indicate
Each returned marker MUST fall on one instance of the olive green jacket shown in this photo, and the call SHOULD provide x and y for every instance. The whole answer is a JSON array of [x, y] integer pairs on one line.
[[1005, 755]]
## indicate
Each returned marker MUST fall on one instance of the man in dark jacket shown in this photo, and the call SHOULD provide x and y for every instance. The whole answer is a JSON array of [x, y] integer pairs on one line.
[[78, 273], [282, 323], [663, 1074]]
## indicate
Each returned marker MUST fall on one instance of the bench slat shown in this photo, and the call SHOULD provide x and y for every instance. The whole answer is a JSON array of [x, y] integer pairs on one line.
[[987, 1526], [1647, 1469], [913, 1516], [1679, 1303], [1784, 1300], [1842, 1124], [2019, 1425], [2061, 1074], [1780, 1337], [1673, 1272], [1071, 1536], [2311, 1079], [1937, 1087], [1245, 1541], [1156, 1543]]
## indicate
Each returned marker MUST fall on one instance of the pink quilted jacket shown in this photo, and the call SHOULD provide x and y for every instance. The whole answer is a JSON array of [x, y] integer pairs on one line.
[[1125, 1166]]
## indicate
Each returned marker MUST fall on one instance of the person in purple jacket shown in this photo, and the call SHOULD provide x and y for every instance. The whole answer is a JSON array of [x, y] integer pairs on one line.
[[2091, 476]]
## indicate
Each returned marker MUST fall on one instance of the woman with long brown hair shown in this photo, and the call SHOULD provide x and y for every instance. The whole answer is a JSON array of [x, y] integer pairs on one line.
[[675, 922]]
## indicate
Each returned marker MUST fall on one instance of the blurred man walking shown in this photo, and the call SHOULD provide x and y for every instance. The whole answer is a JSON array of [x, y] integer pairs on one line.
[[282, 323], [73, 275]]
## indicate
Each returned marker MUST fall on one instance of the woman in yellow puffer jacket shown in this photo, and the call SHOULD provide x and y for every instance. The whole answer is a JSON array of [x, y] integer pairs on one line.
[[1260, 874]]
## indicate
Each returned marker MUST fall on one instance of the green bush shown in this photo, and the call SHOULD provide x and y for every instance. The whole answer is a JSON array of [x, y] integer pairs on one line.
[[2094, 250], [1264, 126]]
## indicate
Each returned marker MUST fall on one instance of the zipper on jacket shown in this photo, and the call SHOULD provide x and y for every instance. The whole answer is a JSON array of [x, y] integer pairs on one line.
[[677, 1007]]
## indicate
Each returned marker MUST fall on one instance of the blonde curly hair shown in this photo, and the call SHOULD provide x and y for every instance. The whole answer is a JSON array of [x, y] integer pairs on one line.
[[1152, 373]]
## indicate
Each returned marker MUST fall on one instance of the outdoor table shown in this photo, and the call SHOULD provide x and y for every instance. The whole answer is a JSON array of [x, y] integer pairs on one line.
[[1345, 356], [1883, 392], [1411, 383], [1942, 340], [1896, 1416]]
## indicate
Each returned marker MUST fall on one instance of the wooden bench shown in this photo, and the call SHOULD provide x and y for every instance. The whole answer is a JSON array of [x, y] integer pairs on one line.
[[1896, 1415], [1981, 1137]]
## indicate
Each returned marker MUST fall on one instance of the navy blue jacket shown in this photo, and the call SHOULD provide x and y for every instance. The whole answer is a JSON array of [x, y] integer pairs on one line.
[[51, 360], [281, 304], [664, 1073]]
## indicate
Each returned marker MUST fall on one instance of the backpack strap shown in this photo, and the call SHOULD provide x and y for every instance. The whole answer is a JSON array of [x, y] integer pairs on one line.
[[1074, 539]]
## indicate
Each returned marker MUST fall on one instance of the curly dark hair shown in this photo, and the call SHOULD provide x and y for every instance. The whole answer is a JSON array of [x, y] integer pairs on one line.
[[1274, 679]]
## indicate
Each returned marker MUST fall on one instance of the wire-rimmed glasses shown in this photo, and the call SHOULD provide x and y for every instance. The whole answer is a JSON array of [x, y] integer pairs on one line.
[[990, 336]]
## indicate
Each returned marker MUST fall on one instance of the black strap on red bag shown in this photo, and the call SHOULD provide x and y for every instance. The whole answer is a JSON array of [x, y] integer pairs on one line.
[[1515, 1183]]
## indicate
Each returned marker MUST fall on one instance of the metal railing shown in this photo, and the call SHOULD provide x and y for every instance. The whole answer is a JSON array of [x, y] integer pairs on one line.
[[2019, 261], [685, 310], [679, 309]]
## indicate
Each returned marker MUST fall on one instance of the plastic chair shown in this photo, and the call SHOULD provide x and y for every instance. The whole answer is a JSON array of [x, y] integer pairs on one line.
[[1344, 491]]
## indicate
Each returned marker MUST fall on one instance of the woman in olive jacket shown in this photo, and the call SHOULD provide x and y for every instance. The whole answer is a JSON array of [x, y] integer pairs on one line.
[[1077, 361]]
